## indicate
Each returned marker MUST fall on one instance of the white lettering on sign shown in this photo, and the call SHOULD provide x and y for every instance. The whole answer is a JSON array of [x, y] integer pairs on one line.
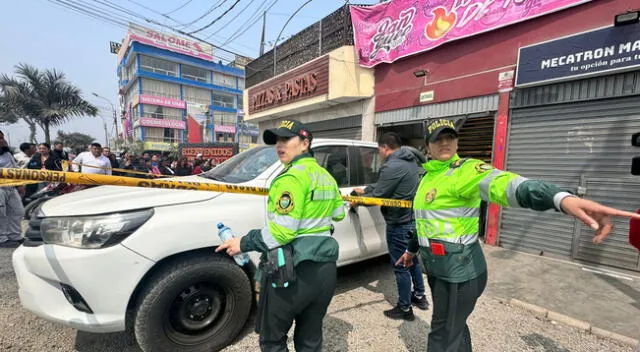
[[578, 57]]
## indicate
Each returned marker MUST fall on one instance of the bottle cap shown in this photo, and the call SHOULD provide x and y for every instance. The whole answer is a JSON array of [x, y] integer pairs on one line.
[[220, 225]]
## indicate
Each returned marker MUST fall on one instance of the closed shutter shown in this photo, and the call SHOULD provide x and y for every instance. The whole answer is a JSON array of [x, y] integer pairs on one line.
[[620, 193], [344, 128], [569, 144]]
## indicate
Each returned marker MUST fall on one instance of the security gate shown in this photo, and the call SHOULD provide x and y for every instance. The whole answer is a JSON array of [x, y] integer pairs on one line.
[[345, 127], [620, 193], [576, 135]]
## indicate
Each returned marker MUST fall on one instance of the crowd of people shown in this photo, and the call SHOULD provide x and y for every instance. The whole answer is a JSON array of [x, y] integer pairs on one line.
[[95, 160], [100, 160]]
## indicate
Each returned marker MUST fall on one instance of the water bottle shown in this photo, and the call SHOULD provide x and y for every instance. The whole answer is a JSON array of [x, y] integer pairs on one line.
[[225, 233]]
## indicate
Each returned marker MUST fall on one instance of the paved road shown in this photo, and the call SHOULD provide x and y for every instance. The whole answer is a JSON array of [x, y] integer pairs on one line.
[[354, 323]]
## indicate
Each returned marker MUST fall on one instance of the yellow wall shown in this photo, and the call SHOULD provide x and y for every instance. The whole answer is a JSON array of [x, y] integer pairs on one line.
[[346, 78]]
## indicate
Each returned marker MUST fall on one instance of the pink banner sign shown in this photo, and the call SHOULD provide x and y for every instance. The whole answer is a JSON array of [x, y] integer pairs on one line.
[[225, 129], [162, 123], [170, 42], [162, 101], [395, 29]]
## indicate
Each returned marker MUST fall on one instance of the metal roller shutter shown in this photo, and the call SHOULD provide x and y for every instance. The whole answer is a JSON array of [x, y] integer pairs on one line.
[[345, 127], [476, 138], [584, 143]]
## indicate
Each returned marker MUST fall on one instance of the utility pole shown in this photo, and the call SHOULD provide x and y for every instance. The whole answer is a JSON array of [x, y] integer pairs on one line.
[[264, 26], [115, 117]]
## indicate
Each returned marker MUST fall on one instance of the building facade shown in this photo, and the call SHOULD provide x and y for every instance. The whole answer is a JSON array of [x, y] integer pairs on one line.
[[555, 97], [316, 80], [172, 92]]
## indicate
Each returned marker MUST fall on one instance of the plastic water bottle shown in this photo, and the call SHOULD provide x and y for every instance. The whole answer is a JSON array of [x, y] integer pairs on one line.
[[225, 233]]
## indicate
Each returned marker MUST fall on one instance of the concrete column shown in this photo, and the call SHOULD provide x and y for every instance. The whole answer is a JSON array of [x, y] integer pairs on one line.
[[368, 119]]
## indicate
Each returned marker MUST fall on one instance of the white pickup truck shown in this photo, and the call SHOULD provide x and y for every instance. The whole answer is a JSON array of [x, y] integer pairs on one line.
[[114, 258]]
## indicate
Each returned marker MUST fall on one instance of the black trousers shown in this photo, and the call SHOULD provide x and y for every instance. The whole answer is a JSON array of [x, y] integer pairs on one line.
[[452, 305], [305, 301]]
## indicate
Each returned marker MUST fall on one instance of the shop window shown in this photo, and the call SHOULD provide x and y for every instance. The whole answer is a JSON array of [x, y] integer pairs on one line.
[[161, 112], [197, 95], [223, 100], [196, 74], [160, 89], [160, 66], [221, 79]]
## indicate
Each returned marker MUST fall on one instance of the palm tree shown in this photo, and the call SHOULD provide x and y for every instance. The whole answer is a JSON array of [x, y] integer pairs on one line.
[[42, 98]]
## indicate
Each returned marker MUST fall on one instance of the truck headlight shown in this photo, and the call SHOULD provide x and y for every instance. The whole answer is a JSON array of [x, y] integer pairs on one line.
[[96, 231]]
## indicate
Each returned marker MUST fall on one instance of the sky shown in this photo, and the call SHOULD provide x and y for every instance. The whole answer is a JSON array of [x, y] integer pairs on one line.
[[46, 34]]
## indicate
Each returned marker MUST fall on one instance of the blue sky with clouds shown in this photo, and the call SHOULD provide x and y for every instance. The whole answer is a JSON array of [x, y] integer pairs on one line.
[[45, 34]]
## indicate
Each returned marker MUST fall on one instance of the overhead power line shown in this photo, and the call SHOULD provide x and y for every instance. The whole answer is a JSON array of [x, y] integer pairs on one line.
[[217, 19], [210, 10], [239, 32], [108, 16], [233, 19], [177, 8]]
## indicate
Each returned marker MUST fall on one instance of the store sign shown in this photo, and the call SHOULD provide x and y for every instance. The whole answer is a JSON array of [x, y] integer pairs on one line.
[[286, 91], [225, 129], [395, 29], [595, 52], [159, 146], [162, 101], [302, 83], [162, 123], [166, 41], [427, 96], [217, 151]]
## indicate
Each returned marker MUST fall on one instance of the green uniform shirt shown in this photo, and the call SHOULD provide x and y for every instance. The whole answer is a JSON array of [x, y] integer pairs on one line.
[[303, 201], [447, 210]]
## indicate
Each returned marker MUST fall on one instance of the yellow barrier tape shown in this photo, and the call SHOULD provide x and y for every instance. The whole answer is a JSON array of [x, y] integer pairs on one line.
[[13, 183], [94, 179], [65, 165]]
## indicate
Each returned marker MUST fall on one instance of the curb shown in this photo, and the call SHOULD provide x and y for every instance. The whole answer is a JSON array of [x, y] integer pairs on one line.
[[578, 324]]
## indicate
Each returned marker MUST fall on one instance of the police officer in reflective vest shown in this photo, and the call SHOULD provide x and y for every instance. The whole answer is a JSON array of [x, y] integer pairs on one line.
[[298, 266], [446, 208]]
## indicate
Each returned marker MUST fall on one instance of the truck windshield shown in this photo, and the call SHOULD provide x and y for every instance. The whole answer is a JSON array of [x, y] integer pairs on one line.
[[245, 166]]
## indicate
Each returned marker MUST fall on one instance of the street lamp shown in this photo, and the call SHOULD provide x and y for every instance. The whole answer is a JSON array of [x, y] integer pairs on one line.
[[106, 132], [115, 115]]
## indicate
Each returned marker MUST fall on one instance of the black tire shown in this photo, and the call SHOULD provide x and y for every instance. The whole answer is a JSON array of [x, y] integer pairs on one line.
[[193, 304]]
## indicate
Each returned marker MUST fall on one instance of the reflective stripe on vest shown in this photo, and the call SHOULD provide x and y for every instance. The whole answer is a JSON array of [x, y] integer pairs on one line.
[[268, 239], [510, 192], [324, 194], [466, 239], [445, 214], [298, 224]]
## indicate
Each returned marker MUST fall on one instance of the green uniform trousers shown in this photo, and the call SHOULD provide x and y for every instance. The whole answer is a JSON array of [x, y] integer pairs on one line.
[[452, 305], [305, 301]]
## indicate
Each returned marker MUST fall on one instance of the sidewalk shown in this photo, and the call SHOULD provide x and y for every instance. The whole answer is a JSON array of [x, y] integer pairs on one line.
[[610, 302]]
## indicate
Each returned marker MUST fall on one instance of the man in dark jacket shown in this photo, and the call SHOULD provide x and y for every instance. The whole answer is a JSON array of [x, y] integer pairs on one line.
[[398, 179]]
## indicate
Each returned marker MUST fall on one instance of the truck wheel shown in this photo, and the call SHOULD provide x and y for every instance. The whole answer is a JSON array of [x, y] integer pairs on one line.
[[195, 304]]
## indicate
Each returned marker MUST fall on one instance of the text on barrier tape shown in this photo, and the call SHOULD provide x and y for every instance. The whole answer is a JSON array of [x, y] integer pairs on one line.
[[95, 179]]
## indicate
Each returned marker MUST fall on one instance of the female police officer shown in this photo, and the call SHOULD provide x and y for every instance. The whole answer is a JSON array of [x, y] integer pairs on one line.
[[303, 200], [446, 207]]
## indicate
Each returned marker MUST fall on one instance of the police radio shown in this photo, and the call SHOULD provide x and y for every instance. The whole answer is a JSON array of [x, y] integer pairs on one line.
[[634, 224]]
